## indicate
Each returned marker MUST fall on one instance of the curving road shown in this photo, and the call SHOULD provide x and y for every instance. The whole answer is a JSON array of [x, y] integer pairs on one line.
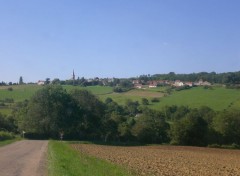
[[23, 158]]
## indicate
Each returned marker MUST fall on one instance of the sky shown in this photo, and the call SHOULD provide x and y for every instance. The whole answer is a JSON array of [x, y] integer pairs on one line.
[[117, 38]]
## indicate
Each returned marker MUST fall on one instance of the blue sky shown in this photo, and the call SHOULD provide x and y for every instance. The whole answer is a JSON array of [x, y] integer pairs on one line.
[[117, 38]]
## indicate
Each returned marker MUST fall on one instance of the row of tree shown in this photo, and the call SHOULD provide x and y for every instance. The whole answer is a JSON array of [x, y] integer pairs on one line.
[[81, 115], [213, 77]]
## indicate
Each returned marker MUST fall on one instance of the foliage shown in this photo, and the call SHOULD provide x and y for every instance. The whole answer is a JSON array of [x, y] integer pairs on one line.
[[155, 100], [48, 112], [190, 130], [227, 124], [7, 123], [145, 101], [4, 135], [150, 127], [81, 115], [10, 89]]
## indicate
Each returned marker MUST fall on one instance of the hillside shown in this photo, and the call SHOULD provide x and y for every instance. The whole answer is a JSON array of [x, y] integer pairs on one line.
[[218, 98]]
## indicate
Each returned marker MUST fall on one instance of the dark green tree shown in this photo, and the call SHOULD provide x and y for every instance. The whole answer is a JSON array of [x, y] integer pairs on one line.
[[48, 112], [227, 123], [190, 130], [145, 101]]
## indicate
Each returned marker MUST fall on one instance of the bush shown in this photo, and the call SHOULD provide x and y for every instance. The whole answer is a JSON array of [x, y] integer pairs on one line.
[[10, 89], [6, 135], [155, 100], [214, 146]]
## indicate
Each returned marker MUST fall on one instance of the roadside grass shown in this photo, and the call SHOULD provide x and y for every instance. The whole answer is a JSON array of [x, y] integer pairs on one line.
[[65, 161], [6, 142]]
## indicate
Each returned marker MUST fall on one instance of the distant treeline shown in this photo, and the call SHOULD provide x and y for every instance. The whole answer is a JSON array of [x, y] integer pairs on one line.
[[80, 115], [229, 79], [213, 77]]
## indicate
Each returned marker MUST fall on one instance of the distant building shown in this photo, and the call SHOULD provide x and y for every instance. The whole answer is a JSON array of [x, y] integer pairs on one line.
[[178, 83], [205, 83], [138, 86], [40, 82], [190, 84], [136, 81]]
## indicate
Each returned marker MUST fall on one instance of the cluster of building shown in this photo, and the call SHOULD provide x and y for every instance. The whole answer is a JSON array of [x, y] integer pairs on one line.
[[177, 83]]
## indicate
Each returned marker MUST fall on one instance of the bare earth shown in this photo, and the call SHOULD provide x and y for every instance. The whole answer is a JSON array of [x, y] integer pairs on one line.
[[169, 160], [23, 158]]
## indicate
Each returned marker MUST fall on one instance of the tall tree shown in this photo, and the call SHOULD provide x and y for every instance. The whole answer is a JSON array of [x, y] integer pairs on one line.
[[50, 111]]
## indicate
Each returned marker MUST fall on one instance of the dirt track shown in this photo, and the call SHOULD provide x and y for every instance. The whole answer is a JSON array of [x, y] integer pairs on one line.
[[23, 158], [169, 160]]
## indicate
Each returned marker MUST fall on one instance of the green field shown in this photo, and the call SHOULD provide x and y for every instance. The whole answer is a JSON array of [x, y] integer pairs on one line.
[[218, 98], [22, 92], [63, 160]]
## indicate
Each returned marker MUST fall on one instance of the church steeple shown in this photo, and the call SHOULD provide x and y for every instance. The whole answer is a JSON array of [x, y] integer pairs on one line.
[[73, 78]]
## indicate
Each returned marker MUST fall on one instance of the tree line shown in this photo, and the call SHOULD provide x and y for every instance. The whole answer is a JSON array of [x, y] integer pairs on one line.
[[80, 115], [231, 79]]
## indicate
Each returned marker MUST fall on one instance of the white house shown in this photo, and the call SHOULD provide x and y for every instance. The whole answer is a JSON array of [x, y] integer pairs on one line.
[[40, 82], [178, 83], [138, 86]]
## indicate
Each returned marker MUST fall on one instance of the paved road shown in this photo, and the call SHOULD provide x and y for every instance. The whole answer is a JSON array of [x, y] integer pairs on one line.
[[23, 158]]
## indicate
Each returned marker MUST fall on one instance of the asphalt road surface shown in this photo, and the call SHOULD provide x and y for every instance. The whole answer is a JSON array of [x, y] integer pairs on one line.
[[23, 158]]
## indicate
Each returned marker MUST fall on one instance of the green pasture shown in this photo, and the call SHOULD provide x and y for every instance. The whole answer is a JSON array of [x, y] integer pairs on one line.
[[97, 90], [22, 92], [19, 92], [218, 98], [135, 95]]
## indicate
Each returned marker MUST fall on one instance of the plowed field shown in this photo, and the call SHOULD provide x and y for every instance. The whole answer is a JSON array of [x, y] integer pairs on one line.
[[169, 160]]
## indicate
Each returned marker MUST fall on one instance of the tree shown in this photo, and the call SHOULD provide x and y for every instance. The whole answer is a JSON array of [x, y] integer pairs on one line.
[[190, 130], [93, 111], [47, 81], [132, 107], [48, 112], [21, 80], [56, 81], [151, 127], [145, 101], [227, 124]]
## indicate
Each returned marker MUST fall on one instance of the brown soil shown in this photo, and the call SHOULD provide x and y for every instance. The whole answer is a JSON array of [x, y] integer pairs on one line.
[[23, 158], [169, 160]]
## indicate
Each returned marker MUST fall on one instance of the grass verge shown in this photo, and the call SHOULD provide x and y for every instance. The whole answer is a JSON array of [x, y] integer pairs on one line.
[[65, 161], [6, 142]]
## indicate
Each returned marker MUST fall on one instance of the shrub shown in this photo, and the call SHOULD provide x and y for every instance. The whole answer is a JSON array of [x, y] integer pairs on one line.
[[155, 100], [6, 135], [10, 89]]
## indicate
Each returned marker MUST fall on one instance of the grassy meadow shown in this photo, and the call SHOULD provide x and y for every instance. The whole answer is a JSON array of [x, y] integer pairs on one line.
[[217, 98]]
